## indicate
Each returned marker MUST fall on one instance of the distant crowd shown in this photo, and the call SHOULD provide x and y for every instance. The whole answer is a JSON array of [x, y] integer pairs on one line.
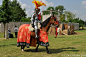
[[15, 30]]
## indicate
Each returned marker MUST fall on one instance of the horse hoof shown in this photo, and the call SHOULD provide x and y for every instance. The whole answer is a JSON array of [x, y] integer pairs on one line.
[[36, 50], [48, 52], [22, 49]]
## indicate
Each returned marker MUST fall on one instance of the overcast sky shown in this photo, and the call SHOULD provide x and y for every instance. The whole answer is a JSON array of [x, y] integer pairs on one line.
[[77, 7]]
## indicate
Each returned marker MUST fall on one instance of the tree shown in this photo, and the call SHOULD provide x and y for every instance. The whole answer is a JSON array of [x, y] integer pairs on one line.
[[0, 12], [76, 20], [49, 8], [29, 19], [61, 8], [47, 11], [17, 11], [69, 15], [5, 12], [81, 23], [85, 23], [62, 18], [25, 19]]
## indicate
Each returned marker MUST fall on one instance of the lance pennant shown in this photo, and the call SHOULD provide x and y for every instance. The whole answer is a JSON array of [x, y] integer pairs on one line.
[[38, 3]]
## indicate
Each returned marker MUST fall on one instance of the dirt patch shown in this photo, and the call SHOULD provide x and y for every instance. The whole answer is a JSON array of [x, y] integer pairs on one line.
[[76, 33], [3, 38]]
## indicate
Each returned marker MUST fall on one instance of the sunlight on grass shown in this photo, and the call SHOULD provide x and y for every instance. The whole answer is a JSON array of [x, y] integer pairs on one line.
[[65, 45]]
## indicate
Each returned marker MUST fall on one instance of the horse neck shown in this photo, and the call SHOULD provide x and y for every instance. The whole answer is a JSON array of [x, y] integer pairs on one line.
[[46, 28]]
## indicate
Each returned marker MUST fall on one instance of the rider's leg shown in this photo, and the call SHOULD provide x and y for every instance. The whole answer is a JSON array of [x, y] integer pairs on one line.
[[36, 34], [32, 23]]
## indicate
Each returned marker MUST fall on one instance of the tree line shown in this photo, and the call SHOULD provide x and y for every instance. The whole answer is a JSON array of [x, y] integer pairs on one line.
[[11, 11], [66, 16]]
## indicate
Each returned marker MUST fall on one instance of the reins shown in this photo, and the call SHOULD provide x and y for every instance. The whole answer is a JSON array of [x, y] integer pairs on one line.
[[51, 26]]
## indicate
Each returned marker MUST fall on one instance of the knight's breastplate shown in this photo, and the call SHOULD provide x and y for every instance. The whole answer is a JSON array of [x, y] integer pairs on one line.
[[36, 20]]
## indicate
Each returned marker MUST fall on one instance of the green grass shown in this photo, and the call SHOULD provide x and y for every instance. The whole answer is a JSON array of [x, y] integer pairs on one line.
[[64, 46]]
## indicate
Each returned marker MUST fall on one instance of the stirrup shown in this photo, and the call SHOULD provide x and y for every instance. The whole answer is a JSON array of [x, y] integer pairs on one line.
[[37, 37]]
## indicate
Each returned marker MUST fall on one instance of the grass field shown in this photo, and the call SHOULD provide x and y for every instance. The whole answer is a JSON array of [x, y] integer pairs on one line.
[[64, 46]]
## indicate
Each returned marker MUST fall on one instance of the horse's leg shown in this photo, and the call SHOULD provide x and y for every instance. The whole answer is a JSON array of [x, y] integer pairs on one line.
[[22, 48], [47, 50], [37, 47]]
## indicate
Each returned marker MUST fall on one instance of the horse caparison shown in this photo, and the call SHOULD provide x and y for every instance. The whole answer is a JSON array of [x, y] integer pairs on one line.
[[25, 37]]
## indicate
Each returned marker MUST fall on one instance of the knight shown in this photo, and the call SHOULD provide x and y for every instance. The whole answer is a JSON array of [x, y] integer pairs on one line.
[[35, 19]]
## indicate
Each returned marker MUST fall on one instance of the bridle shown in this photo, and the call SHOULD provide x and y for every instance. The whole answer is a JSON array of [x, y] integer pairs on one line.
[[52, 24]]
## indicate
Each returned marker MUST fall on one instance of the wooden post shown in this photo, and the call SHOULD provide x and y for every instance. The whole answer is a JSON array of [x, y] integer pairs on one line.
[[58, 15], [6, 32]]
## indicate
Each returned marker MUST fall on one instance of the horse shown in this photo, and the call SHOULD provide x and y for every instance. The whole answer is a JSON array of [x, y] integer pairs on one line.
[[27, 38]]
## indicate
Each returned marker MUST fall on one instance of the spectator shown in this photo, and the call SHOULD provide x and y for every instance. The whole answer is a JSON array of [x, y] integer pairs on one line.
[[9, 31], [56, 28], [56, 31], [16, 31]]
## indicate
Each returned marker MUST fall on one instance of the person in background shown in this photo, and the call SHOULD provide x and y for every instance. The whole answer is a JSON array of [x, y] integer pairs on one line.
[[56, 28], [9, 31], [16, 31], [56, 31]]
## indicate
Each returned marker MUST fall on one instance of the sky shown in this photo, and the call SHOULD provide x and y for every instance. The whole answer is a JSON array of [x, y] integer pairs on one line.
[[77, 7]]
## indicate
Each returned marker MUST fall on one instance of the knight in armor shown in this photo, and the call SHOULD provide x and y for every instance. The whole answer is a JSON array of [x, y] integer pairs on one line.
[[35, 18]]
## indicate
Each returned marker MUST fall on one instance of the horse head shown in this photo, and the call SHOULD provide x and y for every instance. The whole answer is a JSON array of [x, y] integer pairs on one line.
[[53, 20]]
